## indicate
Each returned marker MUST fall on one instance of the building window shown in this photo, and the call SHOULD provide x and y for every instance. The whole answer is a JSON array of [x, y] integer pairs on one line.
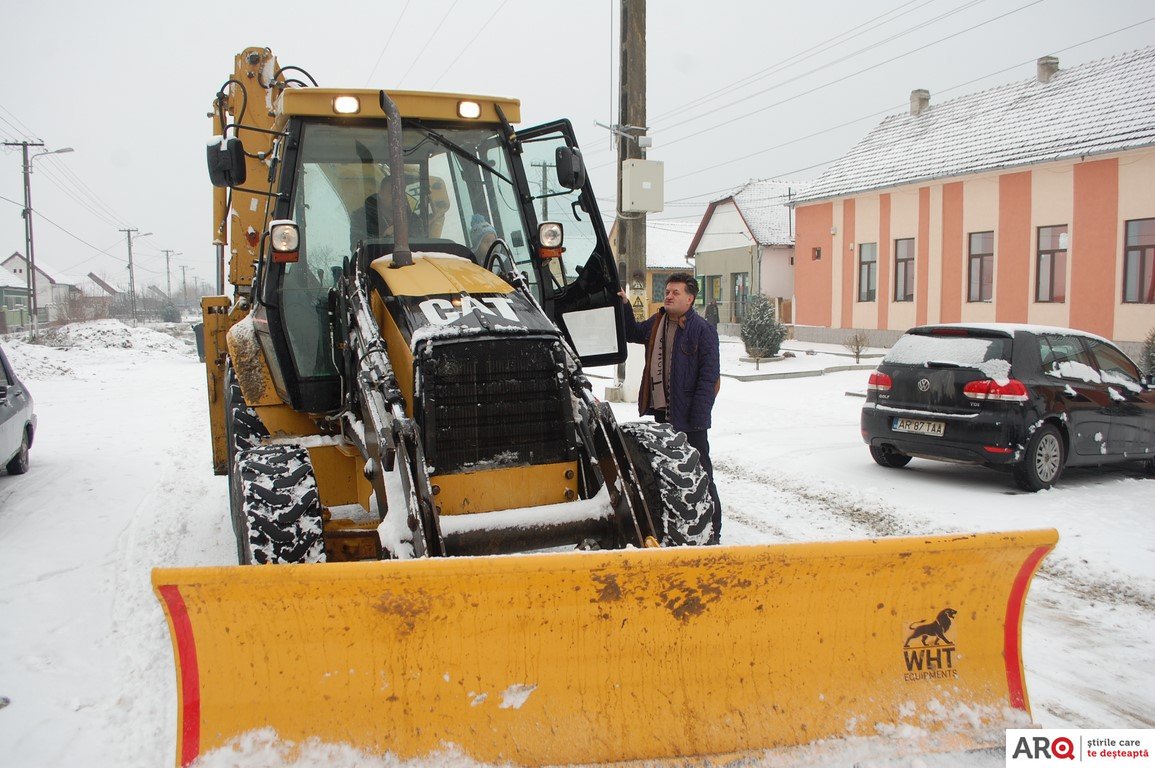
[[867, 271], [1139, 262], [740, 285], [658, 286], [1051, 267], [904, 269], [981, 263]]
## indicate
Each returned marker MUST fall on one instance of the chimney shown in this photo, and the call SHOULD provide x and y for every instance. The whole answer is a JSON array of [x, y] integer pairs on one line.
[[919, 100], [1047, 67]]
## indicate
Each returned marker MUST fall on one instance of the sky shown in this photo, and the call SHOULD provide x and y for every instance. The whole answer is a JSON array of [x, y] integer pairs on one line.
[[735, 91]]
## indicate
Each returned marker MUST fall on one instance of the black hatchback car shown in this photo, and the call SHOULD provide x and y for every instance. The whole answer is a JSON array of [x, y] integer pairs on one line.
[[1029, 398]]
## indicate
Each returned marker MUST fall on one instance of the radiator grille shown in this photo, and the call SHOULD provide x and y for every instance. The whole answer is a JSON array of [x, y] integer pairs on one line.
[[495, 404]]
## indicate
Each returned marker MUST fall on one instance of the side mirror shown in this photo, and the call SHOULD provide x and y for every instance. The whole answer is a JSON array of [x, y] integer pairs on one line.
[[571, 171], [226, 159]]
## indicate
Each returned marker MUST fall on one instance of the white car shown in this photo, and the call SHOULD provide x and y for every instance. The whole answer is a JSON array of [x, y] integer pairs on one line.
[[17, 421]]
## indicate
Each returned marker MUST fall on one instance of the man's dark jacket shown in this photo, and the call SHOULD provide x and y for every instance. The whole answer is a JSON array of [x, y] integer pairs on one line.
[[694, 374]]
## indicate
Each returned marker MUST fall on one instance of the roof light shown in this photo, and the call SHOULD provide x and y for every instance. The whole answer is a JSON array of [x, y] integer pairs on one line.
[[470, 110], [346, 105]]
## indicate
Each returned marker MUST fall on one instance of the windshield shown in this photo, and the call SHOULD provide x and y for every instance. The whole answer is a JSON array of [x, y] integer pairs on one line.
[[458, 192]]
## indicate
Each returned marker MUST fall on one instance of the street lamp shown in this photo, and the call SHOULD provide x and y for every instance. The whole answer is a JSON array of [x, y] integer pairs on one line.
[[31, 258]]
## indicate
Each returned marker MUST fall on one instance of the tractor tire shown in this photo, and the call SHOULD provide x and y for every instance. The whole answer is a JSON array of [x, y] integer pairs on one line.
[[673, 482], [243, 430], [888, 457], [1042, 461], [282, 513], [19, 463]]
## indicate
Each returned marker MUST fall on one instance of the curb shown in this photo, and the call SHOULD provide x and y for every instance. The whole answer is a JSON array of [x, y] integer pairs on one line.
[[796, 374]]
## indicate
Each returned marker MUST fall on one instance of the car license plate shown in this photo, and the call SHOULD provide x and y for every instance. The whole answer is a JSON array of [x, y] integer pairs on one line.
[[919, 427]]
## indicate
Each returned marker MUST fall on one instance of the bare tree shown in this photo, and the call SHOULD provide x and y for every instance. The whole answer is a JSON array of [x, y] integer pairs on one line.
[[857, 344]]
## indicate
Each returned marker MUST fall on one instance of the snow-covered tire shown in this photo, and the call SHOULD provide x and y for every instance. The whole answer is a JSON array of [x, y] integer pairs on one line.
[[673, 482], [282, 513], [243, 430], [1043, 460], [19, 463], [243, 427]]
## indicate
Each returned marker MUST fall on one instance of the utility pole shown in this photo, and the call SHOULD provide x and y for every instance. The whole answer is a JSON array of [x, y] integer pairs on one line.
[[131, 272], [30, 260], [631, 118], [631, 121], [183, 287], [544, 188], [30, 256], [167, 272]]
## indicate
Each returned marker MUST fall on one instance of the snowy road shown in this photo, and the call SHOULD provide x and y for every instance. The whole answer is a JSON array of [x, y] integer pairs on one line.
[[121, 481]]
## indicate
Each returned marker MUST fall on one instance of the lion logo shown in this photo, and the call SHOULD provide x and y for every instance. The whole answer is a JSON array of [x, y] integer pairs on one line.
[[936, 629]]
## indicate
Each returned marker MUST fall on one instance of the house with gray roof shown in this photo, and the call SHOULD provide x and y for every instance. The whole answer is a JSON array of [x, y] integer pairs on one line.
[[743, 244], [1028, 202]]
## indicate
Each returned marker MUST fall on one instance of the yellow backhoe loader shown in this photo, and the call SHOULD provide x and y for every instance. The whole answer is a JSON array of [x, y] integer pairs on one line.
[[445, 539]]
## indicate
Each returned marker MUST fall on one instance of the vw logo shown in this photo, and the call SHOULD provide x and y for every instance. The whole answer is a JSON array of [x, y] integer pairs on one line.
[[923, 385]]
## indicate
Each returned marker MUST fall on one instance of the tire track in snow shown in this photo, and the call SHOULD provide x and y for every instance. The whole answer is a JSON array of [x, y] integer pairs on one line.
[[878, 519]]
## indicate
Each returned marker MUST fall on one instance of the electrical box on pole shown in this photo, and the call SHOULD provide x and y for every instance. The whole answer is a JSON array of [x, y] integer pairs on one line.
[[643, 186]]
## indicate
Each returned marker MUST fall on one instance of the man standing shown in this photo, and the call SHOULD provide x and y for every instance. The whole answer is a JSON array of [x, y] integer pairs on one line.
[[681, 376]]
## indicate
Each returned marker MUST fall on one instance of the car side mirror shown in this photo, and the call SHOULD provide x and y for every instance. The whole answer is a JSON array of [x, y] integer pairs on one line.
[[571, 170], [226, 158]]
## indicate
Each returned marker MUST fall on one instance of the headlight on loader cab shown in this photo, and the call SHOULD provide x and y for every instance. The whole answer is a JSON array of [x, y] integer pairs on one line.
[[285, 239], [346, 105], [550, 235]]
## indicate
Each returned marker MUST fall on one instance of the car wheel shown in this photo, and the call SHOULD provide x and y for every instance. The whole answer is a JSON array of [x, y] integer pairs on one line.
[[19, 463], [888, 457], [1043, 461]]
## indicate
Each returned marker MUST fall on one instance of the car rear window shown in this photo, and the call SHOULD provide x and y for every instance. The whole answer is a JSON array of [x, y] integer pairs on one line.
[[991, 355]]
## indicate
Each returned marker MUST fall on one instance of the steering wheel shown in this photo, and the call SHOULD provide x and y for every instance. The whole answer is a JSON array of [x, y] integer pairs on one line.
[[493, 255]]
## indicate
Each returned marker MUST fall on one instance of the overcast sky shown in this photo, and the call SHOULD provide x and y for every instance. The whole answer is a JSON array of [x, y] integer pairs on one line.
[[736, 90]]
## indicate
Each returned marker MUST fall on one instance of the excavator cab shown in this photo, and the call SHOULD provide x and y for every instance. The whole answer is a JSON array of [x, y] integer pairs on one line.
[[471, 192]]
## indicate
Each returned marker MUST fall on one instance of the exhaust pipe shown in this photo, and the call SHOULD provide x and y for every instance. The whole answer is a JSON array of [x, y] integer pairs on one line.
[[402, 256]]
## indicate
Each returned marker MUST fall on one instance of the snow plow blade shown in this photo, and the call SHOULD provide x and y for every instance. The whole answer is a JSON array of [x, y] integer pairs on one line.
[[593, 657]]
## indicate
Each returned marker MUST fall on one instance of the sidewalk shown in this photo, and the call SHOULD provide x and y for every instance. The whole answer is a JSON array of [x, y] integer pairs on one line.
[[809, 359]]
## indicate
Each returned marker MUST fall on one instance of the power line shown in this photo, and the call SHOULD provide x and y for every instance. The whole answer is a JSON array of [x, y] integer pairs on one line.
[[797, 58], [428, 40], [466, 47], [891, 109], [386, 46], [835, 81]]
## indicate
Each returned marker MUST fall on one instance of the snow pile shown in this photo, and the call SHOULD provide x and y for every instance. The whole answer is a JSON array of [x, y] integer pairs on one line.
[[264, 749], [113, 334], [33, 362]]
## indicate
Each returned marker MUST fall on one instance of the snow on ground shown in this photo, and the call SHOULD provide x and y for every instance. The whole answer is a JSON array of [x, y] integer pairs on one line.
[[121, 481]]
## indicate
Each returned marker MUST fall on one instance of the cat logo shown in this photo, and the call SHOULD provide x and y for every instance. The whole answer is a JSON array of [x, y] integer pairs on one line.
[[446, 312]]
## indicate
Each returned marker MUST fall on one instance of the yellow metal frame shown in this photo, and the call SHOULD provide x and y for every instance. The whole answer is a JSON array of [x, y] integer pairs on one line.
[[423, 105], [609, 656], [491, 490]]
